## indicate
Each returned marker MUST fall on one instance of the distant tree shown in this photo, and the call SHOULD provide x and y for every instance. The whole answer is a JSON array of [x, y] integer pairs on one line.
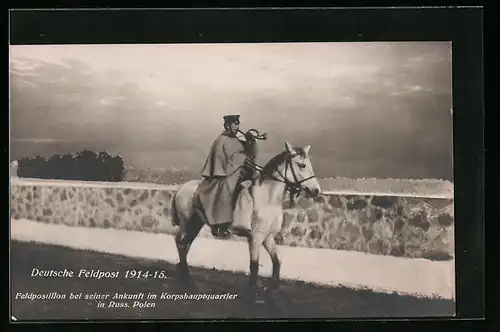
[[86, 161], [39, 165], [118, 169], [53, 168], [86, 165], [23, 167], [31, 167], [67, 168], [104, 161]]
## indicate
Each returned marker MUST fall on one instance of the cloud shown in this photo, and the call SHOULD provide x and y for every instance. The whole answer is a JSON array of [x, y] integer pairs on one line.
[[42, 140], [27, 83], [407, 90], [58, 80], [163, 104], [429, 58], [21, 65], [35, 140], [111, 100]]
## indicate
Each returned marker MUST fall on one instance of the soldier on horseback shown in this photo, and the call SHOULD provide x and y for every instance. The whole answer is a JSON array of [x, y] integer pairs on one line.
[[229, 162]]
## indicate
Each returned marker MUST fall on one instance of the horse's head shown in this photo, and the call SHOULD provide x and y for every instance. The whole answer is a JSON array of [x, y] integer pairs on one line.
[[297, 171]]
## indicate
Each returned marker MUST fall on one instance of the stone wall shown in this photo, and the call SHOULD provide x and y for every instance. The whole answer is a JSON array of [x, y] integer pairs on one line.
[[387, 225]]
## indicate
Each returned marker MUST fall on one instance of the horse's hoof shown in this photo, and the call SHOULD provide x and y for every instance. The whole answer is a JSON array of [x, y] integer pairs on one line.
[[193, 287], [273, 286], [270, 289], [254, 296], [188, 286], [181, 269], [254, 299], [182, 272], [259, 300]]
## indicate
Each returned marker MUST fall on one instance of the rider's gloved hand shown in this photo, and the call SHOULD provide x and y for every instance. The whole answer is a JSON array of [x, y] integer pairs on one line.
[[249, 137]]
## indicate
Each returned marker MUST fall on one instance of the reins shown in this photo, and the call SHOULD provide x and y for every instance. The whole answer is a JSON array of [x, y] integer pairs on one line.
[[294, 188]]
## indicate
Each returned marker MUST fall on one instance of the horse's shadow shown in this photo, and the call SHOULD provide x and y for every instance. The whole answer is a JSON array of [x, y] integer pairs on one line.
[[260, 301]]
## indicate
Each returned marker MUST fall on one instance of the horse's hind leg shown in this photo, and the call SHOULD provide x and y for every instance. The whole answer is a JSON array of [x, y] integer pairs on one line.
[[183, 240], [272, 249]]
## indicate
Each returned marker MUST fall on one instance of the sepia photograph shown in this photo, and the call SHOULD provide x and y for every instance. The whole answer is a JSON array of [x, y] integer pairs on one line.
[[232, 181]]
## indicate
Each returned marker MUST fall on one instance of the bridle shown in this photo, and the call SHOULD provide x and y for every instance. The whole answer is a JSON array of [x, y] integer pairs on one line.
[[294, 188]]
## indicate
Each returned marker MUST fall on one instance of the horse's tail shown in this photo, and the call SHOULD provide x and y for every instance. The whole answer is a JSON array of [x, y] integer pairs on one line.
[[173, 210]]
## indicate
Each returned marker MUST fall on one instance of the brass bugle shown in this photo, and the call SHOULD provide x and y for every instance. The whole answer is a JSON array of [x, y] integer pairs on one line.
[[255, 134]]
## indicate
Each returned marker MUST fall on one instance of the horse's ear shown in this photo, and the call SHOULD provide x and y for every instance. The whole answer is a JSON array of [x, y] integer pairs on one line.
[[306, 149], [289, 148]]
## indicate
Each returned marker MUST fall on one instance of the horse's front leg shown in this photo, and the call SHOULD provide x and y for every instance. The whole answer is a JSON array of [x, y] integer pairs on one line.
[[272, 249], [254, 243]]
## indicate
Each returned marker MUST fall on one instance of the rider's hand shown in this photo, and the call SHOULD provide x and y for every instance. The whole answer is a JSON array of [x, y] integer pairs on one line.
[[249, 137]]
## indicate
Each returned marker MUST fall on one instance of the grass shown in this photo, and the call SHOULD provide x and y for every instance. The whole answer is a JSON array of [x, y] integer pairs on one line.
[[293, 300], [421, 187], [363, 185]]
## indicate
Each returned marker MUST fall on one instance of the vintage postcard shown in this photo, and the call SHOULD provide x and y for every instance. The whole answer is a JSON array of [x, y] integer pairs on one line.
[[232, 180]]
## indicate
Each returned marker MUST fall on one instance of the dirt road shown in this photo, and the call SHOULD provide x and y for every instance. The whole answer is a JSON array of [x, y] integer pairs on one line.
[[293, 300]]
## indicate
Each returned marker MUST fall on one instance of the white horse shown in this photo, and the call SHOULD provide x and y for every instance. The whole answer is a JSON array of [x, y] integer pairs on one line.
[[259, 204]]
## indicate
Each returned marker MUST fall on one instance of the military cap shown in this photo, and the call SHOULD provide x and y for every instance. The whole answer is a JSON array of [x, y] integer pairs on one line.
[[232, 118]]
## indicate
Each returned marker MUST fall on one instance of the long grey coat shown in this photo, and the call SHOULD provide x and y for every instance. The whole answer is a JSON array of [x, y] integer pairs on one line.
[[221, 174]]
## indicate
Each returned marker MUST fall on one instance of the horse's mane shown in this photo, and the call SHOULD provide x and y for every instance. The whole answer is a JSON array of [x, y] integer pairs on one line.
[[273, 164]]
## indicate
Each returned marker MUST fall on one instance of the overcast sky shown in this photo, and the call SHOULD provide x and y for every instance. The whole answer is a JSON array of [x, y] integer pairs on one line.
[[367, 109]]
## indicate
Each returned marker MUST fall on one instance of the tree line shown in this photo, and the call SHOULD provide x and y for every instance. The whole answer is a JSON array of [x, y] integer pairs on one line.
[[85, 165]]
